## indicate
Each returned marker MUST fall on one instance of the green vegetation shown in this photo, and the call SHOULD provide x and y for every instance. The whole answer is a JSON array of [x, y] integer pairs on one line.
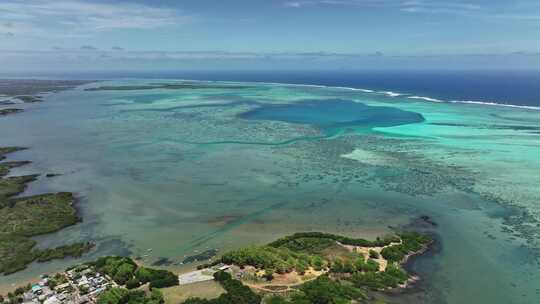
[[25, 217], [305, 244], [125, 272], [302, 250], [237, 293], [6, 166], [15, 253], [57, 279], [347, 266], [266, 257], [390, 278], [124, 296], [73, 250], [307, 240], [363, 266], [30, 90], [324, 290], [411, 242], [11, 186], [373, 254], [349, 276], [169, 86]]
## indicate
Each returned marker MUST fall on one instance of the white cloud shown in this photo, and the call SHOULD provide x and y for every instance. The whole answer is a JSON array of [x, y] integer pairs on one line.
[[302, 3], [457, 8], [65, 17], [511, 10], [409, 6], [293, 4]]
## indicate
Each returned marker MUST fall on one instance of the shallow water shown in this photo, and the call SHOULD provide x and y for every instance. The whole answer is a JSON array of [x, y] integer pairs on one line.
[[184, 171]]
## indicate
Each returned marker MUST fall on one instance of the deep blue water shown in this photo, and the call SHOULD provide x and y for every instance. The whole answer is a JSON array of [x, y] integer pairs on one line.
[[334, 113], [511, 87]]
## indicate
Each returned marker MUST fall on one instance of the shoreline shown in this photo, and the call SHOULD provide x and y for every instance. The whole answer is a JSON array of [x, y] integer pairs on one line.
[[382, 92], [417, 286], [28, 216], [302, 247]]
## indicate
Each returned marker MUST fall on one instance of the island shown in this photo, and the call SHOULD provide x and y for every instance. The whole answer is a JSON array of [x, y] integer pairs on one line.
[[309, 267], [28, 216], [169, 86], [24, 217], [33, 90]]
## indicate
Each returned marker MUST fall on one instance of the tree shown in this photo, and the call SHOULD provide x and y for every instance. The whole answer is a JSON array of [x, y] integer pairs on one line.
[[348, 267], [123, 273], [301, 267], [144, 275], [337, 266], [112, 296], [222, 276], [318, 263], [163, 278], [269, 274], [156, 297], [323, 290], [132, 283]]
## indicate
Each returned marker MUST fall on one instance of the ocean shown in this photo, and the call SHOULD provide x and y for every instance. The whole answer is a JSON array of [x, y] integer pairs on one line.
[[183, 171], [513, 87]]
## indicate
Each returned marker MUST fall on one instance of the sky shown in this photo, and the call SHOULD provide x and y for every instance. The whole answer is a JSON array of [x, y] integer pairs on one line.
[[269, 34]]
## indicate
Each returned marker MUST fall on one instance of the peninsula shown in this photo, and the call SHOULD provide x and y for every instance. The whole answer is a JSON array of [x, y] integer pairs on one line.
[[310, 267]]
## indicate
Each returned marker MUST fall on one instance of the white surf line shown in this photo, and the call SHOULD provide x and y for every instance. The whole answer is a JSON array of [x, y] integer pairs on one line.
[[487, 103], [387, 93], [425, 98]]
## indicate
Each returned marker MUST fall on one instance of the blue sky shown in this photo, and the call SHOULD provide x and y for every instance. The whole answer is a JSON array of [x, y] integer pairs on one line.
[[271, 33]]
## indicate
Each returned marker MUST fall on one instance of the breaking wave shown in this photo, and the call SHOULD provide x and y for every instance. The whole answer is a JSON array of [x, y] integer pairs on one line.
[[397, 94]]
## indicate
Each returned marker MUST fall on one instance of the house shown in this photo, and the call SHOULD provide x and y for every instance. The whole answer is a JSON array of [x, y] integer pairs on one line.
[[36, 289], [61, 287], [52, 300]]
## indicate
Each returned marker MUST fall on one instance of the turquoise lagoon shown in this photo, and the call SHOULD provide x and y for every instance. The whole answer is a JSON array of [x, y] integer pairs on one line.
[[163, 174]]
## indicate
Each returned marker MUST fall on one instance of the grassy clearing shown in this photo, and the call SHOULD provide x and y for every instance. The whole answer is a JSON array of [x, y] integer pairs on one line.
[[204, 290]]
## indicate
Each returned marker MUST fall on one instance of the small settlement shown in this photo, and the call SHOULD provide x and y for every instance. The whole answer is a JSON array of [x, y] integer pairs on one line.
[[75, 286], [293, 269]]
